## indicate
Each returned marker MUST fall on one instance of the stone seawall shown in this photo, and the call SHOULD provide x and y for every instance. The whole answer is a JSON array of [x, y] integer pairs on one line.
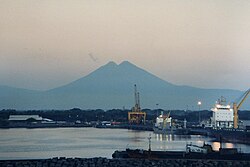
[[104, 162]]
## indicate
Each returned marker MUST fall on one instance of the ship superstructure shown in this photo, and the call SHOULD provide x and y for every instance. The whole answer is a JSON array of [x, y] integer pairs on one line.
[[223, 115]]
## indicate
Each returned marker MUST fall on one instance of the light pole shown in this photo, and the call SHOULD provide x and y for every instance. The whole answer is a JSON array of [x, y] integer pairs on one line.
[[199, 105], [157, 109]]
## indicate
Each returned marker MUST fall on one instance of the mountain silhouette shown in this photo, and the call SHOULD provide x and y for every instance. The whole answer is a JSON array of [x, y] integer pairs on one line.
[[112, 86]]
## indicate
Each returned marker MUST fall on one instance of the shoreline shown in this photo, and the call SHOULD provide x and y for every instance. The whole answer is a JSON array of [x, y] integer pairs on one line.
[[46, 126], [34, 126]]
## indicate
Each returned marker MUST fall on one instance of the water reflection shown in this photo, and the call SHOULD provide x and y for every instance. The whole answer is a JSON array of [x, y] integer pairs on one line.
[[171, 137], [229, 145], [178, 142], [164, 137], [91, 142], [217, 145]]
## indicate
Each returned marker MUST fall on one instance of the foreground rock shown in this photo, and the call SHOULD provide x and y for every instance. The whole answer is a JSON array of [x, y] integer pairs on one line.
[[104, 162]]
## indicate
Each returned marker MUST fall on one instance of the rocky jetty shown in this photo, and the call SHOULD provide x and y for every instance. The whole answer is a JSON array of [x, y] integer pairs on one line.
[[104, 162]]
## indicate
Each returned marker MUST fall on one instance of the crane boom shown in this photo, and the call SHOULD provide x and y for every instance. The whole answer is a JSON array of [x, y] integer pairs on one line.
[[244, 98], [237, 107], [166, 119]]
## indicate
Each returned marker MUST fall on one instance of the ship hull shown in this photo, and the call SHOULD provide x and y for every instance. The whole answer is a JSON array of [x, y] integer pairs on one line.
[[171, 131], [231, 135], [145, 154]]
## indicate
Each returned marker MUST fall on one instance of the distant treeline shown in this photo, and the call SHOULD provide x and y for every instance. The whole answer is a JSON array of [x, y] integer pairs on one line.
[[117, 115]]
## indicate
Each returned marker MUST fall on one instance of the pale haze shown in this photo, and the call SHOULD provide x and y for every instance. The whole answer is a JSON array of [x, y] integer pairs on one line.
[[45, 44]]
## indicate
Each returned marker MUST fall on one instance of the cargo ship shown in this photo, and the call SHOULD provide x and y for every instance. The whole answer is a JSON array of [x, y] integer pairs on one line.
[[231, 135], [192, 152], [165, 126], [225, 122]]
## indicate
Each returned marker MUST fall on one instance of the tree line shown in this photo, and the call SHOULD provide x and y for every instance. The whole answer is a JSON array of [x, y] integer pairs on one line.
[[117, 115]]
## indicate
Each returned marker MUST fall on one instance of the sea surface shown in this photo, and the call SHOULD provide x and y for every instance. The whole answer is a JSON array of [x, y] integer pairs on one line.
[[91, 142]]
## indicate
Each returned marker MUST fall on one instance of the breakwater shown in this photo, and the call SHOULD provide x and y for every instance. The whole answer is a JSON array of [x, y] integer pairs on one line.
[[104, 162]]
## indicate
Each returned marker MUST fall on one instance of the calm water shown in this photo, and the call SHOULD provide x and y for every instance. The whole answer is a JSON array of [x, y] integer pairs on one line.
[[89, 142]]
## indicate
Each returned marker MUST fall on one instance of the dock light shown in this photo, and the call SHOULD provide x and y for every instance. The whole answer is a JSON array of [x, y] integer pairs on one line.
[[199, 104]]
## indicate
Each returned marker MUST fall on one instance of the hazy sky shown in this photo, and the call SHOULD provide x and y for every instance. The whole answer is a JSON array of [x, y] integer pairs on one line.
[[48, 43]]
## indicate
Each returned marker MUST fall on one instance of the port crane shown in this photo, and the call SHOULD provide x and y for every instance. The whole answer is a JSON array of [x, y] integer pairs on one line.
[[237, 106], [136, 116]]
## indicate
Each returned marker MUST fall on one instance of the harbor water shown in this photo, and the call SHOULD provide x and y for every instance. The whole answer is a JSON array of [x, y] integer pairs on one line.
[[91, 142]]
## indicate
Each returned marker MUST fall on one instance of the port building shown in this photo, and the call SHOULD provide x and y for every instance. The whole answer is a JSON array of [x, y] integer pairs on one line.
[[25, 118]]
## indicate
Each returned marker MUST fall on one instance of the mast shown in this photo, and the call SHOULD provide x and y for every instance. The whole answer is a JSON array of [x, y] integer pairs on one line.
[[149, 142], [138, 101]]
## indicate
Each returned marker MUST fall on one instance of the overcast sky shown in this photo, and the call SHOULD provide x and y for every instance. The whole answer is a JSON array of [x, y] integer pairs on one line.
[[48, 43]]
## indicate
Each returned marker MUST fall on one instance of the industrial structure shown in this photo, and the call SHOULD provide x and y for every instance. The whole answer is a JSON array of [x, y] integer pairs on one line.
[[136, 116], [23, 118], [13, 119]]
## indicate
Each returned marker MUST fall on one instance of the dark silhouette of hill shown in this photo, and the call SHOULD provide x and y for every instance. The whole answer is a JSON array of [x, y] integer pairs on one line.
[[17, 98], [112, 86]]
